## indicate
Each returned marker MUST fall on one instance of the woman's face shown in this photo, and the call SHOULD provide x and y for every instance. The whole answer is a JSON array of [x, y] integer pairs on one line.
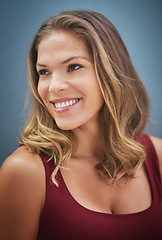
[[67, 83]]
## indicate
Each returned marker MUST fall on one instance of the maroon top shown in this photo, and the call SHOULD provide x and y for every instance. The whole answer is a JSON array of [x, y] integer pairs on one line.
[[64, 218]]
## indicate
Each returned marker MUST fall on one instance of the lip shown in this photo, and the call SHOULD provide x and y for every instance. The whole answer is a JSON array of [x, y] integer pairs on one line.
[[64, 109]]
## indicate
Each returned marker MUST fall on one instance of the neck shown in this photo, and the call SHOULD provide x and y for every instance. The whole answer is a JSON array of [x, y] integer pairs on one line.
[[89, 143]]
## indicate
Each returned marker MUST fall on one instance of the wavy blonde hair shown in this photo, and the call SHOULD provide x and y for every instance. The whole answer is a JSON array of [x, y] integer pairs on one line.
[[124, 113]]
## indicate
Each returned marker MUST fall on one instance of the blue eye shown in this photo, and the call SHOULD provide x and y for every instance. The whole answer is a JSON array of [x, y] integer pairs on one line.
[[74, 67], [43, 72]]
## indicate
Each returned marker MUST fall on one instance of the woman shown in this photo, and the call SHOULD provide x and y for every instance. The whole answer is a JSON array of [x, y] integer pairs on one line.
[[84, 170]]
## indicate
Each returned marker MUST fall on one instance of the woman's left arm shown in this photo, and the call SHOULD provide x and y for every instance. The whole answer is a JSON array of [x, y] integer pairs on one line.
[[158, 147]]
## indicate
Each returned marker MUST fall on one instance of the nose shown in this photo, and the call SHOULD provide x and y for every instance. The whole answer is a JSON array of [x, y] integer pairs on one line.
[[57, 83]]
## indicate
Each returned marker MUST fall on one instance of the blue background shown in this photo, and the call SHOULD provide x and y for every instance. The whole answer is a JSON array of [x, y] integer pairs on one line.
[[139, 22]]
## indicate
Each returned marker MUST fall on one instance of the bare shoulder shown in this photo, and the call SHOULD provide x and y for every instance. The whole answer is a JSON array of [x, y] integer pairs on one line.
[[22, 192], [158, 147], [22, 166], [22, 156]]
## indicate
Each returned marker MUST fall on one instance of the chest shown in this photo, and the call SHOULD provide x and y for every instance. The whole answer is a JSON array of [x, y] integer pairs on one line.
[[82, 206], [122, 197]]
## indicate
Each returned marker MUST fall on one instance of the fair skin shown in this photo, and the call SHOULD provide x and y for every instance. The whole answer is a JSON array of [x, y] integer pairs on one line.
[[66, 73], [22, 176]]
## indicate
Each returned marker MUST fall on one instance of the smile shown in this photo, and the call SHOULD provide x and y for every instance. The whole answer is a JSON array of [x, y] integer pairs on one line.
[[66, 103]]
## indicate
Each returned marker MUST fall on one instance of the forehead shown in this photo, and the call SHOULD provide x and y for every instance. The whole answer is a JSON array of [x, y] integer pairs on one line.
[[62, 40], [59, 46]]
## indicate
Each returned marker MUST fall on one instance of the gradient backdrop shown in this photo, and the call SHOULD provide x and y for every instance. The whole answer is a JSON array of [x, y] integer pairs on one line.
[[138, 21]]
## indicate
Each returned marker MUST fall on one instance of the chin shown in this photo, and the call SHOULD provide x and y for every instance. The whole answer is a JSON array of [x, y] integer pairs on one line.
[[65, 127]]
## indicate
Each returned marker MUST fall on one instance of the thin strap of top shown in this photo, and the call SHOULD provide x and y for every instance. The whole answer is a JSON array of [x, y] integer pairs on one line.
[[151, 162]]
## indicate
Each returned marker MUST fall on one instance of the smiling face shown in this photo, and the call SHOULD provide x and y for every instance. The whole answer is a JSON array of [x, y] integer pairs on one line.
[[67, 83]]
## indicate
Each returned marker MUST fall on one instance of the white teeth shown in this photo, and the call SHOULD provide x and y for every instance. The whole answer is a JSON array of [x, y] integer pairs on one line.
[[63, 104], [66, 104], [71, 102]]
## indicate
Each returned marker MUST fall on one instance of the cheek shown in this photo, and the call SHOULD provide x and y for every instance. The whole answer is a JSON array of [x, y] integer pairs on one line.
[[42, 90]]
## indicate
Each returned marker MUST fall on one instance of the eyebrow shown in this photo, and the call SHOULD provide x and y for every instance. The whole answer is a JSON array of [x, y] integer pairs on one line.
[[64, 62], [41, 65], [74, 57]]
